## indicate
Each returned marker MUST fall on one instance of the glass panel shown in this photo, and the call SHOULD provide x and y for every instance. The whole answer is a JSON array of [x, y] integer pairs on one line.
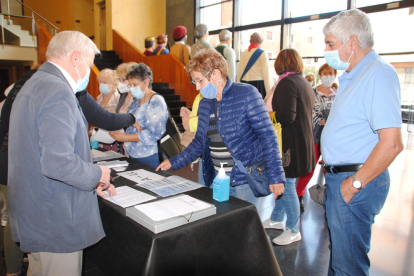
[[209, 2], [305, 7], [307, 37], [404, 65], [217, 16], [312, 65], [366, 3], [271, 44], [259, 11], [392, 37], [214, 40]]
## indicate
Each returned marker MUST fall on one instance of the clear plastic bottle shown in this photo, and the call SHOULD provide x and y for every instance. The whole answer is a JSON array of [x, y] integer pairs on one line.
[[221, 185]]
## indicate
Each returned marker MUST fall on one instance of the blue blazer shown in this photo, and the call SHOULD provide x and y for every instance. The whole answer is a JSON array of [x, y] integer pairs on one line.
[[246, 129], [51, 182]]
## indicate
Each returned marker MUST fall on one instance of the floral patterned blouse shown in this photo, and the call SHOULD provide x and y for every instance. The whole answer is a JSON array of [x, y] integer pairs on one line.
[[113, 101], [322, 104], [153, 119]]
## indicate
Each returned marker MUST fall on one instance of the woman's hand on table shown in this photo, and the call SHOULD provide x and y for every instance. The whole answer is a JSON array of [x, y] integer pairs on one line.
[[277, 189], [111, 190], [165, 165]]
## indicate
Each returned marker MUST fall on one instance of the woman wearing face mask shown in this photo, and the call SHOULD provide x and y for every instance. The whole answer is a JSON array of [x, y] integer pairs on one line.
[[126, 97], [324, 97], [108, 83], [151, 112], [233, 123]]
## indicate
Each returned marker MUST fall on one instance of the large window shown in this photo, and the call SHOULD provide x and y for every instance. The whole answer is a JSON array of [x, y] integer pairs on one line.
[[298, 24]]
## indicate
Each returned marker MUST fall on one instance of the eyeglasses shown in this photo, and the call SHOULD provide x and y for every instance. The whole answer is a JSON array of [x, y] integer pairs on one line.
[[133, 85], [195, 82]]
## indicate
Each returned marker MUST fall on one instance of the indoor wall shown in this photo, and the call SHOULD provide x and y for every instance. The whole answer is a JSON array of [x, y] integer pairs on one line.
[[180, 12], [138, 19]]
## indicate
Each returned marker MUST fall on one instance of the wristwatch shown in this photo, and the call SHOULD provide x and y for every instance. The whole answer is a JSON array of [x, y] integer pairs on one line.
[[356, 183]]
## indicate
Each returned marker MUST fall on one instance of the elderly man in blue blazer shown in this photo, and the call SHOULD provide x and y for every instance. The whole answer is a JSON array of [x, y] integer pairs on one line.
[[52, 180]]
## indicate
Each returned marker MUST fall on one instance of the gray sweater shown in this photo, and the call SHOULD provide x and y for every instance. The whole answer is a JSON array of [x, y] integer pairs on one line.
[[52, 198]]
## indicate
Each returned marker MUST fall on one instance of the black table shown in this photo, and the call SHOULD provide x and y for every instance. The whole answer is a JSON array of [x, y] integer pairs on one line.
[[232, 242]]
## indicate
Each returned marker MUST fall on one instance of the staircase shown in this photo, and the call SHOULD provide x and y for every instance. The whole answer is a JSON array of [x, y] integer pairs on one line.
[[107, 59], [173, 102], [14, 35]]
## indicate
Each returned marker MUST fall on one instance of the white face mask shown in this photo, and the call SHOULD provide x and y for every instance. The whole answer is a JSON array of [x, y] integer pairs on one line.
[[83, 82], [327, 80], [122, 87]]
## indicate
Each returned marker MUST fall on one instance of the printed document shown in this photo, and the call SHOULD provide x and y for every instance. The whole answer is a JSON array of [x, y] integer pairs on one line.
[[172, 207], [127, 196], [171, 185], [140, 176]]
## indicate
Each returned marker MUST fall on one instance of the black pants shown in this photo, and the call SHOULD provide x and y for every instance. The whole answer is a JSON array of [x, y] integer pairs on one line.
[[259, 84]]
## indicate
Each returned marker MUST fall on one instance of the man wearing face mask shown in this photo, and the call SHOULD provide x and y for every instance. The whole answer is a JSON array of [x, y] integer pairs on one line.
[[51, 177], [360, 140]]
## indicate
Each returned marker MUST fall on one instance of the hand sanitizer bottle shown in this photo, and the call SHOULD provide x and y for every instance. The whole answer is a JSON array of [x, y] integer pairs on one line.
[[221, 185]]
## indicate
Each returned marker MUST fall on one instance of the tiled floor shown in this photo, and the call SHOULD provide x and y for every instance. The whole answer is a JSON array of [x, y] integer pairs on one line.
[[392, 251]]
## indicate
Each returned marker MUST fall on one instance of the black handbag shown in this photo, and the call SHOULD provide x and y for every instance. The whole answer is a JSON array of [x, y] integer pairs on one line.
[[256, 175]]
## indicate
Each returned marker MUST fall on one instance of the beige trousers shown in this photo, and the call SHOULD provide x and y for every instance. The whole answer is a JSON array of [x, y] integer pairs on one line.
[[53, 264]]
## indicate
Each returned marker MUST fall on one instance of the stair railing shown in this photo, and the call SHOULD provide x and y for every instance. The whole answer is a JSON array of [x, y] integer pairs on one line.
[[165, 68]]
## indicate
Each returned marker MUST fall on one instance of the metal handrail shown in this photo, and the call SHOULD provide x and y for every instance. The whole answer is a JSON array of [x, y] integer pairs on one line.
[[19, 16], [35, 13]]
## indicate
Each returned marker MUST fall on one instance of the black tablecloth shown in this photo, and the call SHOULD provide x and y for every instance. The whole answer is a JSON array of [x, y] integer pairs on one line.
[[232, 242]]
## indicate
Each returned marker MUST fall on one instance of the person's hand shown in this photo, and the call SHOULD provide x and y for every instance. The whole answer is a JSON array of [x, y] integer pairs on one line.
[[186, 122], [117, 136], [322, 122], [137, 126], [165, 165], [111, 190], [105, 177], [185, 112], [347, 190], [277, 189]]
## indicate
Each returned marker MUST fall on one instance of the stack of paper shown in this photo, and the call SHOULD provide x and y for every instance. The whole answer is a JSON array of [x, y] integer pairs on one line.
[[170, 186], [114, 163], [172, 212], [127, 196], [104, 155]]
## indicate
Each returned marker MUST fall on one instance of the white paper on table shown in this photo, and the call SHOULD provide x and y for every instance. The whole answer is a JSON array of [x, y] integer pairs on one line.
[[127, 196], [103, 136], [140, 176], [104, 155], [172, 207]]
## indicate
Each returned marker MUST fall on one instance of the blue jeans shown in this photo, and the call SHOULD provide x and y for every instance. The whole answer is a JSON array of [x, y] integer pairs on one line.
[[350, 224], [244, 192], [151, 160], [288, 204]]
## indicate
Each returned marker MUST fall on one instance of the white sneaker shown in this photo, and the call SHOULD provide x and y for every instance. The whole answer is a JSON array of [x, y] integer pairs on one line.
[[270, 224], [287, 237], [4, 220]]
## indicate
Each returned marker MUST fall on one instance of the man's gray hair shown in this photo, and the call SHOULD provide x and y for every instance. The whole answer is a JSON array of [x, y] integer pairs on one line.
[[63, 44], [351, 22], [256, 38], [224, 35]]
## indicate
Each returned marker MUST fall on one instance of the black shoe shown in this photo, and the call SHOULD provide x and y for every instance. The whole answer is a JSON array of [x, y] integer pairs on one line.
[[302, 206]]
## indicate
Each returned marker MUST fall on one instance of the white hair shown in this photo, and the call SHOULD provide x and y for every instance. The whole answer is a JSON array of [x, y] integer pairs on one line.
[[224, 35], [63, 44], [351, 22]]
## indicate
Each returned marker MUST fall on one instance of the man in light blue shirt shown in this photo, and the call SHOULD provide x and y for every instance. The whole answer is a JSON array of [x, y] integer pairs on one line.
[[361, 138]]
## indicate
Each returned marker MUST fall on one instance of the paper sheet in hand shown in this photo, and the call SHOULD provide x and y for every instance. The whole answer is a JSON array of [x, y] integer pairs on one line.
[[104, 155], [127, 196], [140, 176], [103, 136], [172, 207], [171, 185]]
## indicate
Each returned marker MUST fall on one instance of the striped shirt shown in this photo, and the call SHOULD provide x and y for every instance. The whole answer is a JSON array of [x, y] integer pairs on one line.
[[218, 150]]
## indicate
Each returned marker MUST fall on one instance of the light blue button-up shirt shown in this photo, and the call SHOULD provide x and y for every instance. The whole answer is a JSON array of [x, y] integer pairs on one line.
[[368, 99]]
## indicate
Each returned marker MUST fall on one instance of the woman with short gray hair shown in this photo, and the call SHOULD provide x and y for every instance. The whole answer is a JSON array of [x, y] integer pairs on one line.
[[201, 33]]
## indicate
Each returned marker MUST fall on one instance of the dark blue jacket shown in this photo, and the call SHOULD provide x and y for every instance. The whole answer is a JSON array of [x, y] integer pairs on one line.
[[246, 129]]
